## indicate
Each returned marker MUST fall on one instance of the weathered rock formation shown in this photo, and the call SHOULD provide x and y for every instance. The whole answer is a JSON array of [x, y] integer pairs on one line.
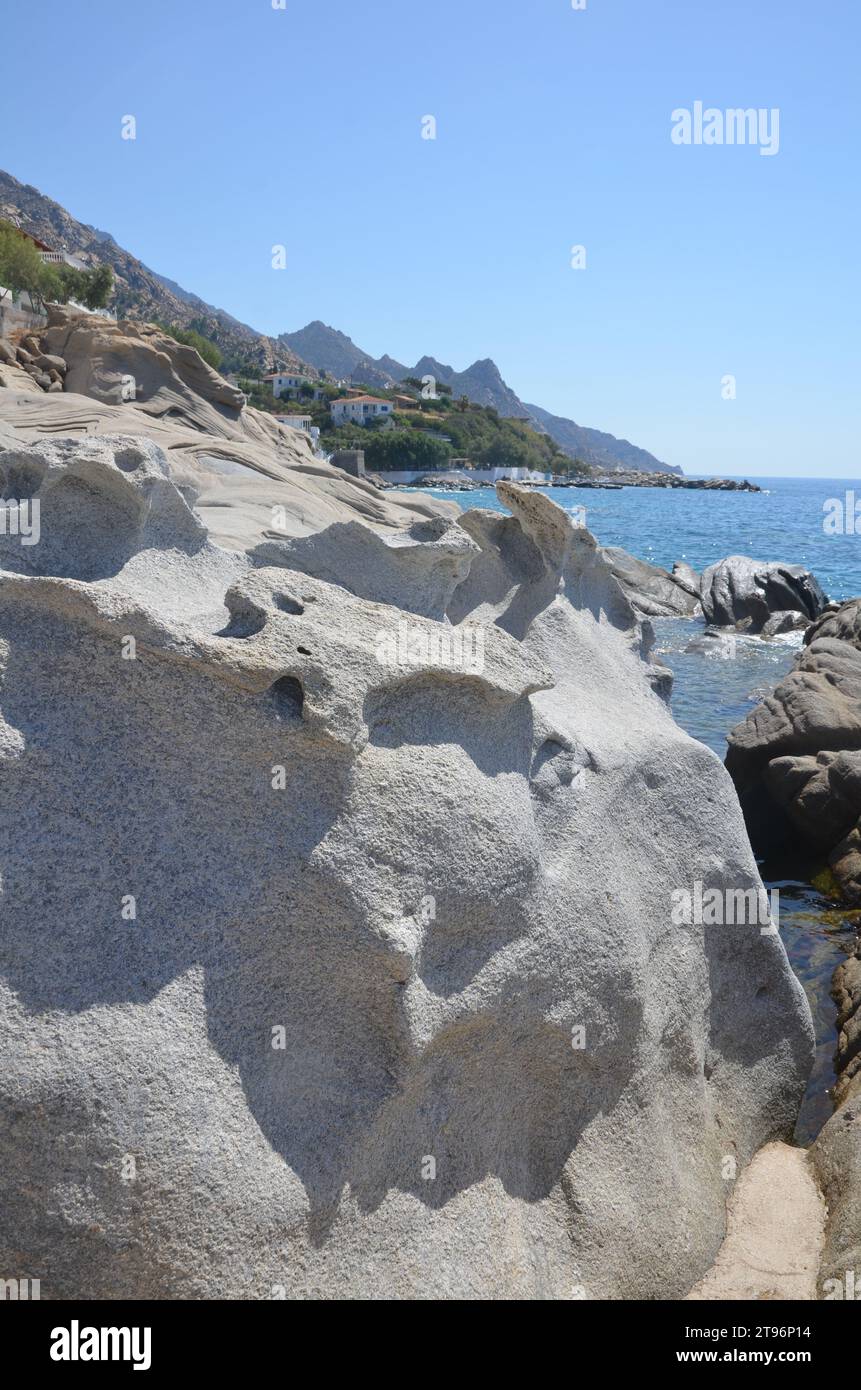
[[846, 992], [654, 591], [343, 974], [253, 478], [836, 1154], [796, 758], [760, 597]]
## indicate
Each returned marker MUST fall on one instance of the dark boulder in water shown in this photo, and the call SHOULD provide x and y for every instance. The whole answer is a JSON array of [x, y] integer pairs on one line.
[[740, 592]]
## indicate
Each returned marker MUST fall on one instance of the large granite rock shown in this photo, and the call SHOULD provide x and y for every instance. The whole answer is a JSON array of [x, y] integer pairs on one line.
[[14, 378], [836, 1155], [253, 481], [750, 594], [796, 758], [109, 361], [327, 973], [652, 590]]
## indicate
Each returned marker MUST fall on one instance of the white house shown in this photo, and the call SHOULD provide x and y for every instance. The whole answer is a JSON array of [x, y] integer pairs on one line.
[[296, 422], [301, 422], [358, 410], [286, 383]]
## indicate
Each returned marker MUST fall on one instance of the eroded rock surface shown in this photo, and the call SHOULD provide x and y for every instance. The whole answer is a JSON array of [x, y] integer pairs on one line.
[[775, 1233], [337, 973], [796, 758], [836, 1154], [757, 596], [654, 591]]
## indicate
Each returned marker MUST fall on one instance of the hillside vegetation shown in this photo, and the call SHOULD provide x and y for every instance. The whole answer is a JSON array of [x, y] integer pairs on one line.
[[430, 434]]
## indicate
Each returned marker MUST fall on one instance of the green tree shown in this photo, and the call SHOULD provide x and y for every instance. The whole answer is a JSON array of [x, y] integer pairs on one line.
[[98, 286], [22, 268], [406, 449]]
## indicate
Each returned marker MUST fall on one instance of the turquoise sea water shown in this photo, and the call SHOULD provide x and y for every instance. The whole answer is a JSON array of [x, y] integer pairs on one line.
[[711, 694]]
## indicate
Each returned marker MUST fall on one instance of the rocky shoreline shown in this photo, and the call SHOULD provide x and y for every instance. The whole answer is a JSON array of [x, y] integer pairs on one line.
[[358, 827], [664, 480], [612, 483]]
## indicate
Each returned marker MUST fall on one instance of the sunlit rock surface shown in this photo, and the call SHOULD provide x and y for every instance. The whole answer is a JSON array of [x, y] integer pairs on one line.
[[337, 952]]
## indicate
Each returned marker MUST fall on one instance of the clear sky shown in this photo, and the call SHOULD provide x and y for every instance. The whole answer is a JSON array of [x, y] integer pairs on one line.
[[302, 126]]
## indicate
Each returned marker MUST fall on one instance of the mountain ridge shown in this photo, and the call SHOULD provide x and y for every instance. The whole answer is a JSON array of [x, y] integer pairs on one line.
[[328, 349], [144, 293], [141, 291]]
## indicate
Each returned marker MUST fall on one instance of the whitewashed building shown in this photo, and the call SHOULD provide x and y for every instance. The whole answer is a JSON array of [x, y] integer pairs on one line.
[[301, 422], [286, 383], [358, 410]]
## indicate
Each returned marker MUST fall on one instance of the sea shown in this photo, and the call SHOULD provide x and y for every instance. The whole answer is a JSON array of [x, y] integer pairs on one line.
[[803, 521]]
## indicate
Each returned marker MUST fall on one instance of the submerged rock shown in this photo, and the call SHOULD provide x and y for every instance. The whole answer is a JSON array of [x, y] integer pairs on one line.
[[336, 974]]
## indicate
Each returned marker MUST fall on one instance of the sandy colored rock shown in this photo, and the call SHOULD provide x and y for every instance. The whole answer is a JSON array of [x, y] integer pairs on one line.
[[107, 360], [836, 1154], [775, 1232], [14, 378], [256, 481]]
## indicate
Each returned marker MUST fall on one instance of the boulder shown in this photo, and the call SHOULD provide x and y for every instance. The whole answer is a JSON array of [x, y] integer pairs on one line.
[[651, 590], [846, 993], [714, 641], [745, 593], [50, 362], [14, 378], [783, 621], [336, 968], [794, 758], [252, 480], [115, 362], [836, 1154], [7, 353], [687, 578]]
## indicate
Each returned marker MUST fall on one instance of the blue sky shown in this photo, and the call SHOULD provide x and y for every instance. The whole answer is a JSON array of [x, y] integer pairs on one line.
[[259, 126]]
